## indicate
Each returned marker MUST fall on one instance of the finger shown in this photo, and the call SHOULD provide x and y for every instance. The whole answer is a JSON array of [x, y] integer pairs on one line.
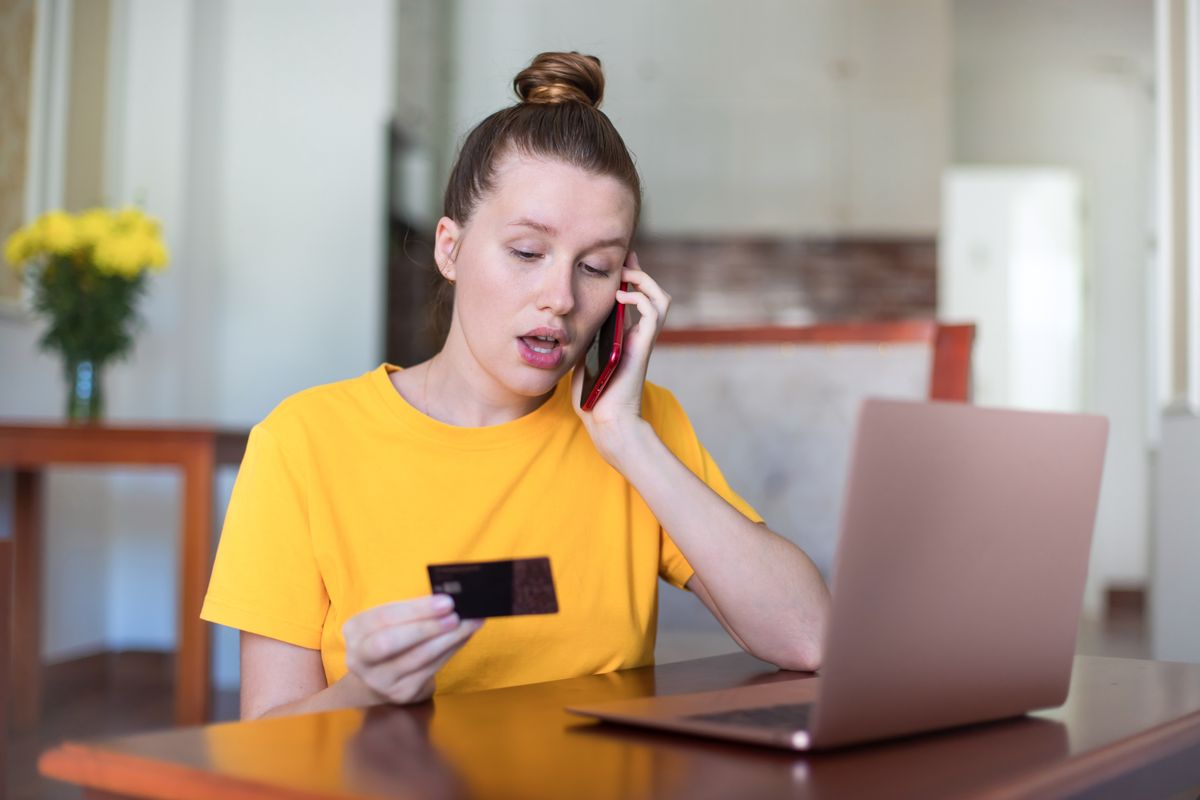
[[631, 261], [398, 613], [422, 654], [439, 650], [638, 276], [646, 309], [431, 653], [440, 661], [639, 341], [651, 288], [431, 656], [385, 644]]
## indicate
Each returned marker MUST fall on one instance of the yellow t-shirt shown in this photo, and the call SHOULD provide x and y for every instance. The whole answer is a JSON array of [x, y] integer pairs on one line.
[[346, 493]]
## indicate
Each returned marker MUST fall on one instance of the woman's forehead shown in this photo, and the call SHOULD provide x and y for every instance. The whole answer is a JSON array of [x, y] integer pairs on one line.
[[553, 197]]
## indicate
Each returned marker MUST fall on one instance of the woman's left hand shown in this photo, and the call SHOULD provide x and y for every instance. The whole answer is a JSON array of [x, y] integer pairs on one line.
[[618, 412]]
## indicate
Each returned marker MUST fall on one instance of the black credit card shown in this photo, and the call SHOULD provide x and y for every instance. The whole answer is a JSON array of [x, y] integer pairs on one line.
[[497, 588]]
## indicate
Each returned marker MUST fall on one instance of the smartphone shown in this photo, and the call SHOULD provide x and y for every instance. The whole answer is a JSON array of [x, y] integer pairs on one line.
[[603, 356]]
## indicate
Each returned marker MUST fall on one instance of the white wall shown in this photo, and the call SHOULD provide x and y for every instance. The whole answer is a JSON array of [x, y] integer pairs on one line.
[[300, 126], [1069, 83], [817, 117], [1010, 260], [256, 131], [1175, 592]]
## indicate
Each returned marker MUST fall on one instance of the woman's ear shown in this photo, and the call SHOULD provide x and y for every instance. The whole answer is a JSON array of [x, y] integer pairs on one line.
[[445, 245]]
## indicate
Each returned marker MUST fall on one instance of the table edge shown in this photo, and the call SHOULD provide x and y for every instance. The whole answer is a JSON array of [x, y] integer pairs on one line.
[[96, 767]]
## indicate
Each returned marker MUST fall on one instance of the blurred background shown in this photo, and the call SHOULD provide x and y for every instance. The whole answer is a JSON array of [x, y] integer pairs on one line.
[[1024, 165]]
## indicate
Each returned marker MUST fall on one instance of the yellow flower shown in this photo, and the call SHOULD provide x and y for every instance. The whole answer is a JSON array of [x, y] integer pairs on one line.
[[131, 220], [121, 254], [93, 225], [122, 242], [20, 246], [57, 231], [158, 255], [143, 244]]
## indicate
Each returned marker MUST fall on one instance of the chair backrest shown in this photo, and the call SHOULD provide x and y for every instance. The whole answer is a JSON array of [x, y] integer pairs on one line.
[[776, 408]]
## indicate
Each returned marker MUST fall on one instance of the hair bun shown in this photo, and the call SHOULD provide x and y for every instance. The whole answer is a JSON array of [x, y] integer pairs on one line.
[[561, 78]]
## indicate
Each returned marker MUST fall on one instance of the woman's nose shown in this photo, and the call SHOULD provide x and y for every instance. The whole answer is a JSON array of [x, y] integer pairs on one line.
[[557, 291]]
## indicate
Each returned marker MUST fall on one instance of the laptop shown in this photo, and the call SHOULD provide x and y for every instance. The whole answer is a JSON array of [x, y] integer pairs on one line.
[[957, 584]]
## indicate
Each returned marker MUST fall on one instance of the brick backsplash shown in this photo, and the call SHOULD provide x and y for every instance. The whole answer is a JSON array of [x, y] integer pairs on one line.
[[759, 281]]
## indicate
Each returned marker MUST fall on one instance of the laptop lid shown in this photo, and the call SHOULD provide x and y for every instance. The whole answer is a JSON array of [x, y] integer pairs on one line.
[[958, 580], [960, 568]]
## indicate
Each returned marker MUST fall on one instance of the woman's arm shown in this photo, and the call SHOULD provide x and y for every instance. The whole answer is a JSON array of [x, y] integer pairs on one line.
[[279, 678], [393, 653], [760, 586], [765, 591]]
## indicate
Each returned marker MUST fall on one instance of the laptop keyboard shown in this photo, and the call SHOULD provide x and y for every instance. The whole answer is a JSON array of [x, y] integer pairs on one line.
[[788, 717]]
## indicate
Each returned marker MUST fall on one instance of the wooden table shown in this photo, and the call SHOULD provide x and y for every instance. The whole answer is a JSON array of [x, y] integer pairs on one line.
[[1129, 729], [196, 451]]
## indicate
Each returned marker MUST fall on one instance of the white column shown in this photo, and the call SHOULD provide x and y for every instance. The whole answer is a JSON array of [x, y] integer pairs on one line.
[[1175, 46], [1174, 590], [1191, 135]]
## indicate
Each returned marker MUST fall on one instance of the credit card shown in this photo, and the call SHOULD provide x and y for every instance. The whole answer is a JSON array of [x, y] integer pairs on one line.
[[497, 588]]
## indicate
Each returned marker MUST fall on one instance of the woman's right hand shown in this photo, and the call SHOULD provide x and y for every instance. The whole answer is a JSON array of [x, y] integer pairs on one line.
[[394, 650]]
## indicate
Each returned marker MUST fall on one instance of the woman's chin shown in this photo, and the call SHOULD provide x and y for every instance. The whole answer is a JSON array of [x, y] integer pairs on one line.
[[533, 382]]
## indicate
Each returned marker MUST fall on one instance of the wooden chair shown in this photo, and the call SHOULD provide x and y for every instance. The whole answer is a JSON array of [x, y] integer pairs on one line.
[[776, 407]]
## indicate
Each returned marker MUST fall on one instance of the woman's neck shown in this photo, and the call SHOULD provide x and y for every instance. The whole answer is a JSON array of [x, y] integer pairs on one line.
[[456, 390]]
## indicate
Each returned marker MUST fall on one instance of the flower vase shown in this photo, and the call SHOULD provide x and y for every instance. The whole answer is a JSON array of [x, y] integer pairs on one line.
[[85, 391]]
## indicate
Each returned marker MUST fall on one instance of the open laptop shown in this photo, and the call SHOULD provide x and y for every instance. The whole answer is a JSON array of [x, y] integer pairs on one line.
[[957, 584]]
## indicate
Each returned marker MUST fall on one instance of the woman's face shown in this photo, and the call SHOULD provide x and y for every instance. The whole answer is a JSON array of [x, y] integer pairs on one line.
[[536, 270]]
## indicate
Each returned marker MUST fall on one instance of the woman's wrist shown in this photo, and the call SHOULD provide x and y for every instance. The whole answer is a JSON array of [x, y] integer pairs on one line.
[[351, 691], [626, 443]]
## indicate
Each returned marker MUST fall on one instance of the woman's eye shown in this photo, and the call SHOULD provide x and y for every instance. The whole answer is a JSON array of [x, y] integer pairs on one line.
[[526, 255]]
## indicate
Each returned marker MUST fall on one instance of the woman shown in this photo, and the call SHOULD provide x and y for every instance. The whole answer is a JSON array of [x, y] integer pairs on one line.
[[349, 490]]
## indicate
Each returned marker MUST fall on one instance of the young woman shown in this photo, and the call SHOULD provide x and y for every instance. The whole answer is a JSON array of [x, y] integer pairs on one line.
[[349, 490]]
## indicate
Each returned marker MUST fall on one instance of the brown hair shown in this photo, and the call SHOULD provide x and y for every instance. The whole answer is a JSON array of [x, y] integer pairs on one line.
[[558, 118]]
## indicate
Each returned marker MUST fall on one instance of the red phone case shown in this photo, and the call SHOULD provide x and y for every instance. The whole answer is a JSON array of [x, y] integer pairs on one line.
[[614, 356]]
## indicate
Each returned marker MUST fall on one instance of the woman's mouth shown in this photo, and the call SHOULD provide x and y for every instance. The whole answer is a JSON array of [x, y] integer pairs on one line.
[[543, 352]]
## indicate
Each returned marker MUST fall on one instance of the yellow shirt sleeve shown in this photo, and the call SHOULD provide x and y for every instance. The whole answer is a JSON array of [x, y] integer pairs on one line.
[[666, 415], [266, 579]]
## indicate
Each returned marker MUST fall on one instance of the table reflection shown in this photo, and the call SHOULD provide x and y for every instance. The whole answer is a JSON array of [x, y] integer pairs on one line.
[[391, 754]]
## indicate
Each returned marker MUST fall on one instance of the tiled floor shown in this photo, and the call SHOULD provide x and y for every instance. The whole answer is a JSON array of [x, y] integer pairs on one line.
[[145, 704]]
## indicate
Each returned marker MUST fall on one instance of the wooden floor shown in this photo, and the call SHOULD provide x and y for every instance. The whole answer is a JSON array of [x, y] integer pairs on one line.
[[128, 693], [131, 692]]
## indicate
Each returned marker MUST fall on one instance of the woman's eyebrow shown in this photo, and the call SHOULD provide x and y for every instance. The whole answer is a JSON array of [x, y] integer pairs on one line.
[[549, 231]]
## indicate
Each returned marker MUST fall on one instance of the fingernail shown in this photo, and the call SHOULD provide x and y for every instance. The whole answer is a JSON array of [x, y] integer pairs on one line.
[[450, 621], [443, 602]]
